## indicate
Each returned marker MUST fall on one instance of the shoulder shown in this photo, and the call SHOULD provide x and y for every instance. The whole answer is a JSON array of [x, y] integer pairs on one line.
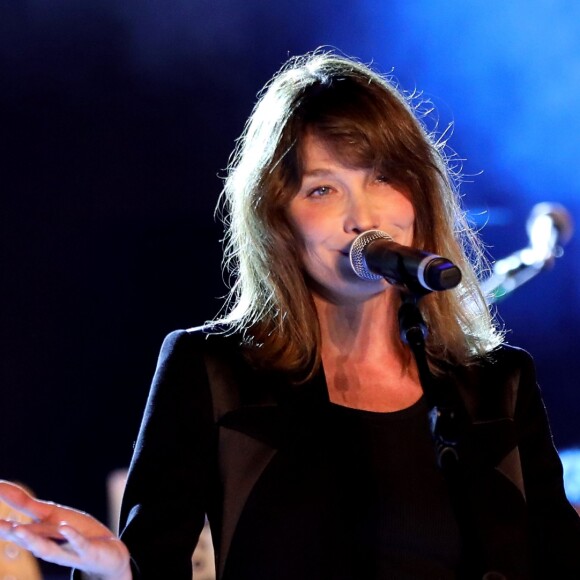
[[198, 341], [504, 361], [183, 375], [495, 382], [508, 355]]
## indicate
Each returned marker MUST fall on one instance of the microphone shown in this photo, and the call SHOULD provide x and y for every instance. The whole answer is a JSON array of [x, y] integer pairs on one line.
[[374, 255], [549, 227]]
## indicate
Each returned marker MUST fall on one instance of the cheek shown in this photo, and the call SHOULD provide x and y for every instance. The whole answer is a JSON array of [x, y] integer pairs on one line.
[[407, 210], [406, 219], [311, 243], [309, 226]]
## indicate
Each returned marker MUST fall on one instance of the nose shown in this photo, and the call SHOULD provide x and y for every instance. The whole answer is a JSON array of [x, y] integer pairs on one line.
[[360, 214]]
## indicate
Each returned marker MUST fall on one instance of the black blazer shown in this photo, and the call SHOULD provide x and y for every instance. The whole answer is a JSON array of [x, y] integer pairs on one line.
[[211, 425]]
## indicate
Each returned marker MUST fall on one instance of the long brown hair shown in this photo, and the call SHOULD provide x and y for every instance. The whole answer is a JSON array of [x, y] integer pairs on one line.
[[367, 122]]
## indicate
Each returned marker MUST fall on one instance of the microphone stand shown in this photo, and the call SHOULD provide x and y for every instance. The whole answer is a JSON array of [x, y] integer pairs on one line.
[[446, 418], [443, 409]]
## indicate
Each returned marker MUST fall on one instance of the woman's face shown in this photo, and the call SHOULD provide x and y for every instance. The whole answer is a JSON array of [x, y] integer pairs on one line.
[[335, 203]]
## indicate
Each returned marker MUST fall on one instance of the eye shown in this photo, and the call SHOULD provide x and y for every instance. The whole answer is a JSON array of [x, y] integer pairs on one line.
[[382, 178], [320, 191]]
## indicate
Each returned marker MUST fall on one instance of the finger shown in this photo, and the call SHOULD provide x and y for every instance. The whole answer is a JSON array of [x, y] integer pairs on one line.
[[102, 554], [98, 555], [105, 550], [77, 541], [44, 530], [43, 547], [18, 498], [6, 529]]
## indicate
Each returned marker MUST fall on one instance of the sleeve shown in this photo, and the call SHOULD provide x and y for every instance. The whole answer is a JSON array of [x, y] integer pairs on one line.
[[554, 525], [168, 485]]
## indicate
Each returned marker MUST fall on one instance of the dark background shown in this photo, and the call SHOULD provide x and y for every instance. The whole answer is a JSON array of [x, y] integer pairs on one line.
[[116, 121]]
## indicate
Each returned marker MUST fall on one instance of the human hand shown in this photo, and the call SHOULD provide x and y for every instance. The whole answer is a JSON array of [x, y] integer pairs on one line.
[[64, 536]]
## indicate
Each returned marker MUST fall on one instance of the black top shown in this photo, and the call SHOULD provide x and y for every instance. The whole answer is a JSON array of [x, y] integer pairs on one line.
[[354, 494], [287, 479]]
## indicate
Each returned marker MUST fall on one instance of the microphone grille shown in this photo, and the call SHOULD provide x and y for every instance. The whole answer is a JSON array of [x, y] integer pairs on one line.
[[357, 256], [559, 216]]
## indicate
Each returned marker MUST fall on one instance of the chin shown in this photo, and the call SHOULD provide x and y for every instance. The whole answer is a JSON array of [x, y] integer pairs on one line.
[[343, 294]]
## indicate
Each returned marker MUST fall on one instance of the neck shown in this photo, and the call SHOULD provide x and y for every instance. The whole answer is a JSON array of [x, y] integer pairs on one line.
[[367, 330], [365, 364]]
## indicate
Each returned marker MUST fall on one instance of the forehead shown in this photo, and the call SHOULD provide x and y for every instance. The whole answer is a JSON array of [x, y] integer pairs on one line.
[[316, 152], [319, 155]]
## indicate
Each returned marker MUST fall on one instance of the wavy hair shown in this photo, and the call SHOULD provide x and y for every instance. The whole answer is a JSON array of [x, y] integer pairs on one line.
[[368, 122]]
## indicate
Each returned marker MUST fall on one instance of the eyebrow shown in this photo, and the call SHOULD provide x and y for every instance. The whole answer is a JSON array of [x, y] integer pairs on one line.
[[317, 172]]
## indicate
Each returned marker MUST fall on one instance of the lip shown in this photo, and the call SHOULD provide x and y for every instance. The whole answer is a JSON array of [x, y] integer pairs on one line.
[[346, 250]]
